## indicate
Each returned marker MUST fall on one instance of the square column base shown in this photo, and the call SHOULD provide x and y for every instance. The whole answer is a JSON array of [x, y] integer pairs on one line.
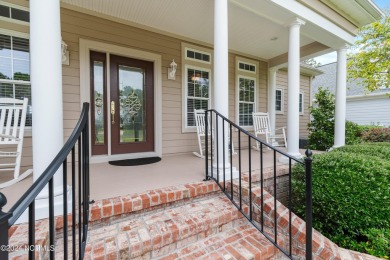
[[228, 174], [285, 160]]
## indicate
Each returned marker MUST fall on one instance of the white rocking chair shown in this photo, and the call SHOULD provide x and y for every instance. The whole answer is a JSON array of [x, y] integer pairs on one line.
[[262, 126], [201, 131], [12, 122]]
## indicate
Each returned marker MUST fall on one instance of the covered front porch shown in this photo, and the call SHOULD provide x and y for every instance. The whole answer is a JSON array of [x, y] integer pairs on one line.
[[237, 59], [108, 181]]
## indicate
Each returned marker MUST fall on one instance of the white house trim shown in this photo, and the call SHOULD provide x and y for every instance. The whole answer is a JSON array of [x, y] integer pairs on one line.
[[85, 47], [370, 96], [14, 33], [315, 18]]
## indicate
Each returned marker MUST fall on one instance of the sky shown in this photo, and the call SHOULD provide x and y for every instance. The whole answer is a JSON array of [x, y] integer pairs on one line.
[[332, 57]]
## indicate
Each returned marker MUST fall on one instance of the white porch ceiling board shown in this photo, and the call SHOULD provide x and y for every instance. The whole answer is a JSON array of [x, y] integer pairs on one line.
[[252, 24], [189, 18]]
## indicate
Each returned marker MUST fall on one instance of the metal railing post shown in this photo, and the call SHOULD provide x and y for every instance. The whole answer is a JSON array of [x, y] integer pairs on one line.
[[309, 204], [4, 217], [206, 125]]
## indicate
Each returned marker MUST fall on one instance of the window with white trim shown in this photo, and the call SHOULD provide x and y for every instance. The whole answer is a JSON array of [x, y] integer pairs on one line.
[[197, 92], [15, 70], [246, 100], [301, 103], [248, 67], [199, 56], [279, 100], [13, 12]]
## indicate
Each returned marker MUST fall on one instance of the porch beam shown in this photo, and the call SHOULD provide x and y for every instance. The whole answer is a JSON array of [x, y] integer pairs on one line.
[[341, 97], [293, 87]]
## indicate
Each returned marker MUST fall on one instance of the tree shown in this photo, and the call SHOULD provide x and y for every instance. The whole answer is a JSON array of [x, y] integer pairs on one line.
[[371, 60], [312, 62]]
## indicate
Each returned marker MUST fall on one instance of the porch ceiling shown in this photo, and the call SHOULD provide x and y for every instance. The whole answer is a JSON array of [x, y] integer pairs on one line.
[[252, 24]]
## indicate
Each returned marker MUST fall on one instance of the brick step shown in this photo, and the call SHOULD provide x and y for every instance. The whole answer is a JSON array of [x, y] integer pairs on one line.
[[158, 232], [117, 207], [179, 230], [241, 241]]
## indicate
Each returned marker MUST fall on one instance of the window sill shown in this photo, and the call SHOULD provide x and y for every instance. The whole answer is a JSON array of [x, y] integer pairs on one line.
[[28, 132], [247, 128], [189, 129]]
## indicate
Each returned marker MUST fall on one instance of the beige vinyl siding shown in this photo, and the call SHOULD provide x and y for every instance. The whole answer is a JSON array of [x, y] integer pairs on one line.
[[281, 119], [77, 25], [262, 93]]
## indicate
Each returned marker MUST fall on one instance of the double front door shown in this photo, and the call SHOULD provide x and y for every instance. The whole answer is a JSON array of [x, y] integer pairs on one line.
[[122, 104]]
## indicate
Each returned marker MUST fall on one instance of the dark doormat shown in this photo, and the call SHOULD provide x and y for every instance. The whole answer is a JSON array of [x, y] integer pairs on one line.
[[135, 162]]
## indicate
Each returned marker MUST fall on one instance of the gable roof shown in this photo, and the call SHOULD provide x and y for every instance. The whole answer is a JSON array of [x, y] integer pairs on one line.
[[328, 80]]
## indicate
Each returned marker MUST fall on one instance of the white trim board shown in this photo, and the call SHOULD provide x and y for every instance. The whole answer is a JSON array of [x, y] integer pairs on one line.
[[370, 96], [85, 47]]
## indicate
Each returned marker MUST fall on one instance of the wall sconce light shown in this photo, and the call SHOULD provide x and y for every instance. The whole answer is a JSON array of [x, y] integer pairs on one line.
[[172, 70], [65, 53]]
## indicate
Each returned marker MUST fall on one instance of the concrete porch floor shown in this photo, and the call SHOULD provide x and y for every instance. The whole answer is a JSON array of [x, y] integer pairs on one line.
[[108, 181]]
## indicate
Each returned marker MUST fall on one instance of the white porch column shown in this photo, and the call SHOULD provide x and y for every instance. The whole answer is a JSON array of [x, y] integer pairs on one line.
[[271, 97], [341, 95], [221, 80], [46, 84], [293, 88]]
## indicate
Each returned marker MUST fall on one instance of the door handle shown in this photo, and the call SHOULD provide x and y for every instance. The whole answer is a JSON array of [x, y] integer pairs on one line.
[[112, 112]]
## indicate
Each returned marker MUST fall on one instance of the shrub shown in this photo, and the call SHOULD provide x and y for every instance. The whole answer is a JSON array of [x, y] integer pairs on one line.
[[379, 150], [352, 133], [364, 128], [321, 128], [376, 135], [373, 241], [351, 191]]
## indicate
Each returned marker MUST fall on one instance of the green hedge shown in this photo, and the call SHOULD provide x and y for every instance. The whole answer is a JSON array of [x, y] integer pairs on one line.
[[351, 195]]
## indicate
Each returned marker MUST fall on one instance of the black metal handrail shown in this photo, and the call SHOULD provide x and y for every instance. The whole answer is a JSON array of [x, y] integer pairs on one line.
[[79, 138], [220, 122]]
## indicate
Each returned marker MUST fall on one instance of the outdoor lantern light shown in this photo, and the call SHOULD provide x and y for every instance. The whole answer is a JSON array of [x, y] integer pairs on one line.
[[172, 70], [65, 53]]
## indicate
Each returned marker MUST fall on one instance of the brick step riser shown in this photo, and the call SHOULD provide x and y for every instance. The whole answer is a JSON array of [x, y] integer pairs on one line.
[[160, 233], [117, 207]]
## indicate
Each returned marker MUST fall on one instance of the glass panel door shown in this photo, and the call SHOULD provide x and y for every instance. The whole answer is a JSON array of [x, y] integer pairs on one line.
[[131, 105]]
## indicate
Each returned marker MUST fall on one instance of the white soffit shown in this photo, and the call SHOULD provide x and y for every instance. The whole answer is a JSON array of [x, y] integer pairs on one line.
[[362, 12], [252, 24]]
